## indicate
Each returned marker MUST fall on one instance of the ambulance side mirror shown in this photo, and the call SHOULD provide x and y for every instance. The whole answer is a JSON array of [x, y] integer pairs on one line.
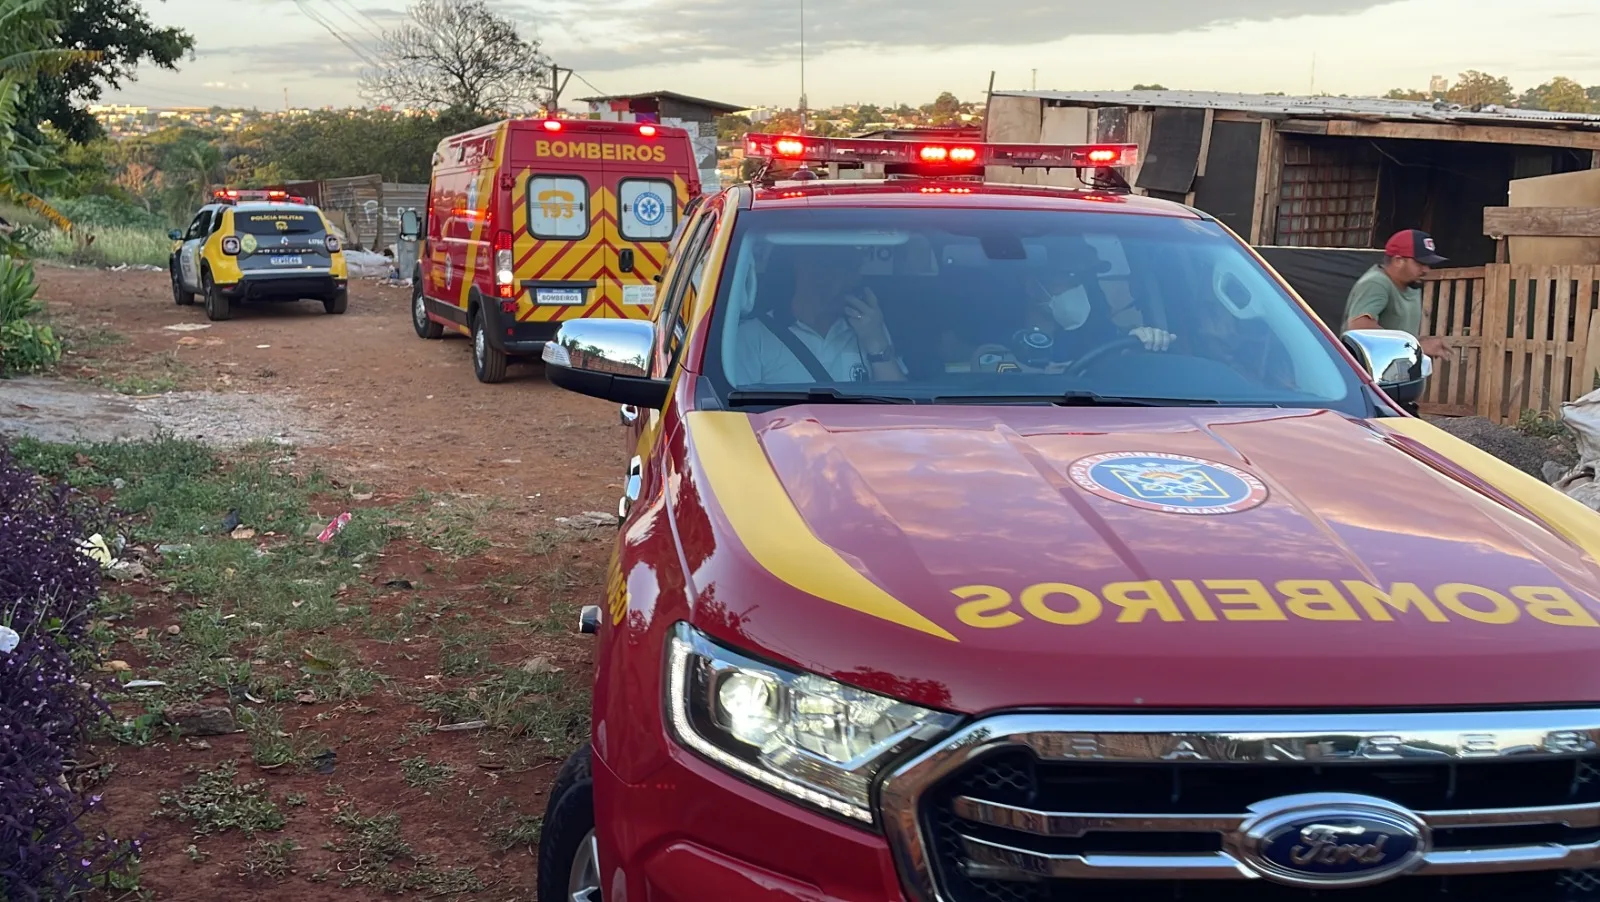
[[607, 359], [1393, 359], [410, 225]]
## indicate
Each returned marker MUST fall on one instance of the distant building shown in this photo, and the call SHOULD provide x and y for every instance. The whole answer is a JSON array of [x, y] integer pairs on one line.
[[670, 108]]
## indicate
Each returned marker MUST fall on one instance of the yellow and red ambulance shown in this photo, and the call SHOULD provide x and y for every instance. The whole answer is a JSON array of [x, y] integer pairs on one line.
[[534, 222]]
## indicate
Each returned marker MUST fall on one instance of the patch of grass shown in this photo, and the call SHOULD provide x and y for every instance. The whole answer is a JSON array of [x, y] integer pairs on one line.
[[373, 843], [252, 594], [543, 706], [423, 774], [268, 859], [271, 745], [464, 652], [453, 524], [523, 832], [112, 246], [1538, 424], [215, 803], [157, 374]]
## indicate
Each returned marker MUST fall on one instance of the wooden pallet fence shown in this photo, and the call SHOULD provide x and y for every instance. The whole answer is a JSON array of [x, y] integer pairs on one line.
[[1538, 343], [1452, 308]]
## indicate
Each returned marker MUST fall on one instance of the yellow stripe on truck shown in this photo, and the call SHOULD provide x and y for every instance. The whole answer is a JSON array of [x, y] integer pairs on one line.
[[772, 530], [1579, 524]]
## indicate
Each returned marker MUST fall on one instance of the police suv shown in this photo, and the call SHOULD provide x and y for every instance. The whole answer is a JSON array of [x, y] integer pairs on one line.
[[257, 246]]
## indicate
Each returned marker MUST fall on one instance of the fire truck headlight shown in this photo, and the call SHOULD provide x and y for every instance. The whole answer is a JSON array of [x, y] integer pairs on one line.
[[815, 740]]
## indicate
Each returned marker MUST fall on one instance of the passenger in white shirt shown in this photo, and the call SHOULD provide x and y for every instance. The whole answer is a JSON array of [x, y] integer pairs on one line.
[[840, 325]]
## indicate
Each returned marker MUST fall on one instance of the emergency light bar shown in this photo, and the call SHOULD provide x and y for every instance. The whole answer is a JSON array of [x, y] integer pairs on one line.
[[809, 149], [234, 195]]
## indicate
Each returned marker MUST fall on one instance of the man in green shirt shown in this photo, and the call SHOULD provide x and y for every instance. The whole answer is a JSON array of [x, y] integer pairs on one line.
[[1389, 296]]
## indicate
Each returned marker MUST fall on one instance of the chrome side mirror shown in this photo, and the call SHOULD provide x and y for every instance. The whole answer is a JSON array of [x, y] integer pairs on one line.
[[410, 225], [1394, 359], [607, 359]]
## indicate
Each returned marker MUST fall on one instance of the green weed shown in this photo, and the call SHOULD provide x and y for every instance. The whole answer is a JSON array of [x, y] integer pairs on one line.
[[215, 803]]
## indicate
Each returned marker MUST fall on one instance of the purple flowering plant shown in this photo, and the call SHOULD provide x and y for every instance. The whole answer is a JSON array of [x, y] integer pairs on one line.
[[48, 702]]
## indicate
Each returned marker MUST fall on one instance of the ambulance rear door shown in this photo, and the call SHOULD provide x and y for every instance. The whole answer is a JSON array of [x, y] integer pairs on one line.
[[650, 194], [558, 242]]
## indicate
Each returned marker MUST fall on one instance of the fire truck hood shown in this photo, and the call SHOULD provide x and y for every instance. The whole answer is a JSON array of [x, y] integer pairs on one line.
[[984, 558]]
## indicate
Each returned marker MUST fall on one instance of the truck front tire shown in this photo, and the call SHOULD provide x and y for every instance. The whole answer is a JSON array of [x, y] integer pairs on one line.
[[568, 868]]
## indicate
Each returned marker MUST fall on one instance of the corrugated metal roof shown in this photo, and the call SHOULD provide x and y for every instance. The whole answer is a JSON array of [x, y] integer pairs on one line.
[[715, 105], [1321, 107]]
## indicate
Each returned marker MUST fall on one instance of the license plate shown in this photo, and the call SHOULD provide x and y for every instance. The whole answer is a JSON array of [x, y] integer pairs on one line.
[[643, 295], [561, 297], [286, 261]]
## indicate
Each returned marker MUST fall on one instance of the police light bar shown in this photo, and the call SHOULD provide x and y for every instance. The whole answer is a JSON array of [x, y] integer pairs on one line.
[[234, 195], [809, 149]]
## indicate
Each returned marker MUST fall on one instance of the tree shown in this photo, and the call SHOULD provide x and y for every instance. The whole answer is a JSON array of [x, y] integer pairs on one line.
[[732, 128], [1407, 94], [1476, 88], [944, 110], [1154, 87], [1559, 94], [28, 163], [457, 55], [112, 38]]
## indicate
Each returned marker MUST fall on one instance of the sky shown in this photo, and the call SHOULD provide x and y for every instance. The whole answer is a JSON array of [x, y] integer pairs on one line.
[[266, 53]]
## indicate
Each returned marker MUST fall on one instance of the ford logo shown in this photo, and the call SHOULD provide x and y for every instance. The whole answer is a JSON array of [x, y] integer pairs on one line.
[[1331, 840]]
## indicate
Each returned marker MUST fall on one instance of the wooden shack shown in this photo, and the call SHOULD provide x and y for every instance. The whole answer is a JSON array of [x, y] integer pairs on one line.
[[1312, 171]]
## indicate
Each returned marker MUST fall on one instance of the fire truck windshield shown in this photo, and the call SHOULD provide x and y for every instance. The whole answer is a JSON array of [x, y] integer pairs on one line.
[[925, 303]]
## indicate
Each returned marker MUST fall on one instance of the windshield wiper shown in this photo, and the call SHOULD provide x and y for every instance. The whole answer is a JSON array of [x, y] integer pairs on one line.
[[813, 395], [1078, 398]]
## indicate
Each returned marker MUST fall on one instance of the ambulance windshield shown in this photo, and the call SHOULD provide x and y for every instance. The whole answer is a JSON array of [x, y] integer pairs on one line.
[[944, 303]]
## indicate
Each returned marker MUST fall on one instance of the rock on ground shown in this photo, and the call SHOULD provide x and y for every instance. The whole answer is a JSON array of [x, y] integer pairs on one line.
[[1528, 453]]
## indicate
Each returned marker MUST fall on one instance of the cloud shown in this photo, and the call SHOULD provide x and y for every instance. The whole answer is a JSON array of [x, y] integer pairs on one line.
[[681, 31]]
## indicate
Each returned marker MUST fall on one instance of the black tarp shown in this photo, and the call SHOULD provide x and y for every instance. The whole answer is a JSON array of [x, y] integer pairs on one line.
[[1172, 155], [1228, 189], [1322, 276]]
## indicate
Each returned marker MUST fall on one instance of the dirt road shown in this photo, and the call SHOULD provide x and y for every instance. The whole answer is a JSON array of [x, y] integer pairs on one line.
[[465, 621], [403, 412]]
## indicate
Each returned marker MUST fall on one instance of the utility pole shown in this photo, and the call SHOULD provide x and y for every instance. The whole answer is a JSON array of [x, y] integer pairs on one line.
[[286, 100], [1035, 80], [557, 86]]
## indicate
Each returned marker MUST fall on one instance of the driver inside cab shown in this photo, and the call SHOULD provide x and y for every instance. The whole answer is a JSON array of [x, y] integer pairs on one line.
[[1061, 322], [831, 329]]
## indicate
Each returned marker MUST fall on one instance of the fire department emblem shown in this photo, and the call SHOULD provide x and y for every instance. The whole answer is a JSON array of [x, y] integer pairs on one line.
[[1170, 483]]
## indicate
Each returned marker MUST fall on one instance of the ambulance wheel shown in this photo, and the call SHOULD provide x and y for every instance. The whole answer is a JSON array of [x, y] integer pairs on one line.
[[217, 306], [569, 866], [179, 296], [339, 303], [488, 362], [426, 328]]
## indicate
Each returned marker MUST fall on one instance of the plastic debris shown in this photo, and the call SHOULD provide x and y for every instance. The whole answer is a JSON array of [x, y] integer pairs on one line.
[[334, 528]]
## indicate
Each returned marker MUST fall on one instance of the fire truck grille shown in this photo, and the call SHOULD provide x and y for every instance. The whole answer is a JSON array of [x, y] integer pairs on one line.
[[1032, 815], [1017, 778]]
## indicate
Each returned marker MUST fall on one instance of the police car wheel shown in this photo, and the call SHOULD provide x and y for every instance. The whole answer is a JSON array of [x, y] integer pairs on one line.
[[569, 869], [339, 303], [426, 328], [217, 306], [179, 296], [488, 362]]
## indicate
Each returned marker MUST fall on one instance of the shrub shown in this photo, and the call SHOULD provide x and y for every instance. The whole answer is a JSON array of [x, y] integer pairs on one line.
[[25, 346], [48, 587], [98, 211]]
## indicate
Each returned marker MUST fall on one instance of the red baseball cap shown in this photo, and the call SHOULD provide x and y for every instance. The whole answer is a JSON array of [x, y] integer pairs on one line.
[[1414, 244]]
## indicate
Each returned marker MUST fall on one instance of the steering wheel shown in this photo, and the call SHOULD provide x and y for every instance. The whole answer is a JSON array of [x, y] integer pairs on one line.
[[1125, 343]]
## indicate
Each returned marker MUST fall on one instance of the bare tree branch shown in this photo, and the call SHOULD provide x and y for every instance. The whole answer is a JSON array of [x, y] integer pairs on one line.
[[457, 54]]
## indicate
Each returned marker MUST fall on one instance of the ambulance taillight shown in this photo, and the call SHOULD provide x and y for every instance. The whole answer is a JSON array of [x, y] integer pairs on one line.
[[503, 265]]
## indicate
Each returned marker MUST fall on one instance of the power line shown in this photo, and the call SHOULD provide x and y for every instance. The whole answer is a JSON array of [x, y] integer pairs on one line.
[[351, 13], [353, 46]]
